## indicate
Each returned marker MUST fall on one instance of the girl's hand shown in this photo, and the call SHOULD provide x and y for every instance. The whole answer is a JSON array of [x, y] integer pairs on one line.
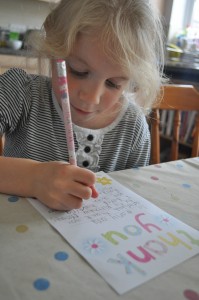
[[62, 186]]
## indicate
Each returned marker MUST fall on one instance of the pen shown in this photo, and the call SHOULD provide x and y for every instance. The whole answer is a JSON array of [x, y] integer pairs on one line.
[[65, 103]]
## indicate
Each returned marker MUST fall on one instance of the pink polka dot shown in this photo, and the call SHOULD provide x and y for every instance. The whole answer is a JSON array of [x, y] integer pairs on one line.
[[191, 295], [154, 178], [157, 166], [94, 246]]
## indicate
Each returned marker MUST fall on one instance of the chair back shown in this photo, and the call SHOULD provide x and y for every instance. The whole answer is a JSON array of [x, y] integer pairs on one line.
[[177, 98], [1, 145]]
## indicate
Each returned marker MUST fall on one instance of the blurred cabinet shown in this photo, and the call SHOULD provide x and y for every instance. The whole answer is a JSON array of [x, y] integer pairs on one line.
[[50, 1], [31, 65]]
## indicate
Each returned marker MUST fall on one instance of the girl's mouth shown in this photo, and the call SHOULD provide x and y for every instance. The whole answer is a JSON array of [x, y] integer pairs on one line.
[[81, 112]]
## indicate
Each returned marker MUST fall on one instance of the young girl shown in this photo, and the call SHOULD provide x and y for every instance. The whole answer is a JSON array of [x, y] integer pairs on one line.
[[114, 53]]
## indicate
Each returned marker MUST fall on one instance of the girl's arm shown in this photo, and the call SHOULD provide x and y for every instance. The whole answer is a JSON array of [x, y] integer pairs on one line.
[[58, 185]]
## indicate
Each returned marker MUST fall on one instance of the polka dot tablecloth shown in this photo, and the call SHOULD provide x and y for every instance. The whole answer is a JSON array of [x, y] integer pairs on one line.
[[37, 263]]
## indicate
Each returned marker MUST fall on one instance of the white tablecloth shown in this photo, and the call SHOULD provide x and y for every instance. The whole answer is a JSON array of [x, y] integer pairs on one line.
[[37, 263]]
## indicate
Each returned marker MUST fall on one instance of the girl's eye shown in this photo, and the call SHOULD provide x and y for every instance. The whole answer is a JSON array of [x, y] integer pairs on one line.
[[77, 73], [113, 85]]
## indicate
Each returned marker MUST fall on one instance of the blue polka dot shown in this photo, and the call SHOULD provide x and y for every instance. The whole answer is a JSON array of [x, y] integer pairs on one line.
[[41, 284], [179, 165], [186, 185], [136, 168], [61, 255], [13, 198]]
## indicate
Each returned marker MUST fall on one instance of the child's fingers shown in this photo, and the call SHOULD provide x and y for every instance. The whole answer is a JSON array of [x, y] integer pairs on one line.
[[95, 193], [82, 175], [85, 177]]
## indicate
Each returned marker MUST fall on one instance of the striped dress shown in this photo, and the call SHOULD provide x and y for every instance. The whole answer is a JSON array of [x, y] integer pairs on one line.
[[32, 122]]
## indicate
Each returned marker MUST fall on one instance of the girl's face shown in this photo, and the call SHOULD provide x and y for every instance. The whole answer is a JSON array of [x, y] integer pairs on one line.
[[95, 84]]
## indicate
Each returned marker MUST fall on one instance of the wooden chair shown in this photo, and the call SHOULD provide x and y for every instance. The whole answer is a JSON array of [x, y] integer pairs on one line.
[[1, 145], [178, 98]]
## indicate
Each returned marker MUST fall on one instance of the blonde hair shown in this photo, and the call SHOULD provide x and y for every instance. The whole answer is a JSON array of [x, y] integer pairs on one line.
[[130, 32]]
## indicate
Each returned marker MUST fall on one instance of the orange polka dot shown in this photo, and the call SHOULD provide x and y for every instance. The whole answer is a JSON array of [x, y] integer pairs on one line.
[[21, 228]]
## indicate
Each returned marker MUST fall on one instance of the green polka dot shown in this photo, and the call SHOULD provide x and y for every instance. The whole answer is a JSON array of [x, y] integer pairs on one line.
[[135, 184], [21, 228]]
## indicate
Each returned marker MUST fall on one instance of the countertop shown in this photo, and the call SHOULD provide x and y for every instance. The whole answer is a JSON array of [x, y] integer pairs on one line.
[[184, 72], [177, 71], [9, 51], [183, 65]]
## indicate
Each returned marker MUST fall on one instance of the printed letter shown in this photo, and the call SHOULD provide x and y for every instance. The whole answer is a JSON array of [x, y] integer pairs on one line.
[[175, 241], [163, 249], [109, 234], [146, 226], [147, 256], [137, 230], [127, 264], [192, 240]]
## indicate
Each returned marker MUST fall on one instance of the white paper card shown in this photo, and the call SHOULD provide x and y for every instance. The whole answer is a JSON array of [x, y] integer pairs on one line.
[[127, 239]]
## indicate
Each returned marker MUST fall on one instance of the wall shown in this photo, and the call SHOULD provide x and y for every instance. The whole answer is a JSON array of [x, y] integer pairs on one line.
[[30, 13], [33, 12], [181, 16], [165, 8], [160, 5]]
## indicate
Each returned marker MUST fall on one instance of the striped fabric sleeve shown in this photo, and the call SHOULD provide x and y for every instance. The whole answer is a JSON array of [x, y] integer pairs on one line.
[[13, 99]]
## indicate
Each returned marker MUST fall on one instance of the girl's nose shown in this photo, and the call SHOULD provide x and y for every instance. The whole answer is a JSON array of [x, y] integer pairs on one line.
[[92, 93]]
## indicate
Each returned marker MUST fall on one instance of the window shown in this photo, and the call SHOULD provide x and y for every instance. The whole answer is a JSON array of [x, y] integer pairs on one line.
[[192, 33], [195, 16], [184, 23]]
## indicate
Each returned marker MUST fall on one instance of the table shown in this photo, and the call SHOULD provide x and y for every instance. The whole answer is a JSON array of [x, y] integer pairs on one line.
[[37, 263]]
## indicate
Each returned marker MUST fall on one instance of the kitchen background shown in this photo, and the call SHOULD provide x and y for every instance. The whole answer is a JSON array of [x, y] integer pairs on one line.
[[32, 12], [181, 24], [27, 14]]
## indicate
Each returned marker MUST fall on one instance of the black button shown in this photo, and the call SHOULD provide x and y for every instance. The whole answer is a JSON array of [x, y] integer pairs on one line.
[[90, 137], [87, 149], [85, 163]]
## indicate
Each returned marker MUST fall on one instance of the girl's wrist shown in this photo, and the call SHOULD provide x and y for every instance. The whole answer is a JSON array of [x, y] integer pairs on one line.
[[36, 178]]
